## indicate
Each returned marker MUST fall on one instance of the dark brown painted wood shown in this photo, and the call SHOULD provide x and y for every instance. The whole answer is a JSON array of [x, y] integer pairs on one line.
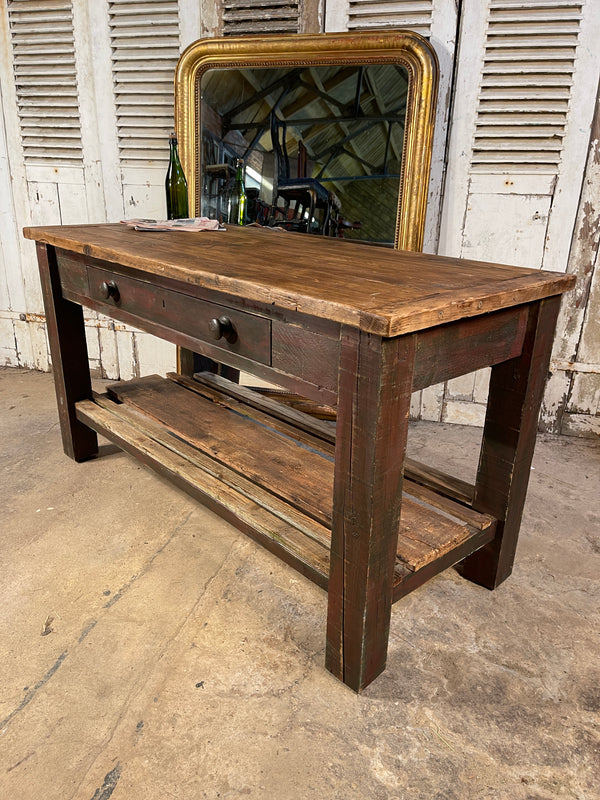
[[306, 354], [73, 276], [250, 334], [212, 352], [451, 350], [515, 396], [375, 386], [68, 349]]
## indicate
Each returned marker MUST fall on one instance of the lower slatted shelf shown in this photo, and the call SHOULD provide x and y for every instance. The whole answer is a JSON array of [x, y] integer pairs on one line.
[[271, 479]]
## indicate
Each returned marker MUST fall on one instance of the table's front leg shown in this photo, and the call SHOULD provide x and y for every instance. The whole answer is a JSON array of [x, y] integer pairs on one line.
[[515, 396], [374, 402], [68, 349]]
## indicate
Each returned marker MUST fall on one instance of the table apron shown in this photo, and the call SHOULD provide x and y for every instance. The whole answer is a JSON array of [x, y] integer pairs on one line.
[[291, 348], [451, 350]]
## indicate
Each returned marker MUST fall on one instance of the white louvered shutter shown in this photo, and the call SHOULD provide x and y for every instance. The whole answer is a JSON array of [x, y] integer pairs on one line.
[[144, 36], [364, 14], [242, 17], [41, 33], [527, 76]]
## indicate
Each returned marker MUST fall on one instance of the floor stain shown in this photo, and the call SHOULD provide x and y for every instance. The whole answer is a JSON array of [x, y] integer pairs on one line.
[[32, 692], [109, 785]]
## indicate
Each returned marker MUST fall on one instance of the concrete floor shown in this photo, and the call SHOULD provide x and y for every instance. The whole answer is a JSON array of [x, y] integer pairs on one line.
[[180, 660]]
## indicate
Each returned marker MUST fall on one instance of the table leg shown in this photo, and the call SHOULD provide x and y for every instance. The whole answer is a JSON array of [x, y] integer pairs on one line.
[[515, 396], [374, 402], [66, 334]]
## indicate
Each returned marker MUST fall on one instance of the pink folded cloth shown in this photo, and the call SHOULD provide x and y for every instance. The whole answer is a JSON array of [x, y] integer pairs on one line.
[[192, 224]]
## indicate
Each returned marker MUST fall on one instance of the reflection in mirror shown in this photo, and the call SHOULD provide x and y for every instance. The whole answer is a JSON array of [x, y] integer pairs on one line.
[[321, 146]]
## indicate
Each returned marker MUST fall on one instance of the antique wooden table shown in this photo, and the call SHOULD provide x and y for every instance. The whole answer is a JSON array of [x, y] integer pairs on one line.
[[341, 323]]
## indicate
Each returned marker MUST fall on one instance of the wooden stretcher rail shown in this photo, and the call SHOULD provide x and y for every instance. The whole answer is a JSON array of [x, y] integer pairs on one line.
[[268, 478]]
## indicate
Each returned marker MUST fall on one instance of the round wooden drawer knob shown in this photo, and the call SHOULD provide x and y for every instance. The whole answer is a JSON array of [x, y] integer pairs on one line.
[[109, 289], [221, 328]]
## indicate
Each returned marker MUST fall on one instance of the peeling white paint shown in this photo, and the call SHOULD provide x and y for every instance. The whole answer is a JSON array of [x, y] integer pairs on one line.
[[524, 219]]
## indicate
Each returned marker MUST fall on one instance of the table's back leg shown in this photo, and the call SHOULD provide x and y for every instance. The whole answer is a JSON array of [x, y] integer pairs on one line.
[[66, 334], [374, 402], [189, 362], [515, 396]]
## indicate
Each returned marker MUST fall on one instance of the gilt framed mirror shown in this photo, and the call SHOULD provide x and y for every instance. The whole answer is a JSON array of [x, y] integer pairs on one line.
[[332, 132]]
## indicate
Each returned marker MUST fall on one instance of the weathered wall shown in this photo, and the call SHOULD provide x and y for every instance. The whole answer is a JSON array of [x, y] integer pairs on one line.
[[572, 403], [511, 149]]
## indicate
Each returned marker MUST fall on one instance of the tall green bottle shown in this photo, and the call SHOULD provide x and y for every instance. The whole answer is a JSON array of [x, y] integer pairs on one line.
[[176, 184]]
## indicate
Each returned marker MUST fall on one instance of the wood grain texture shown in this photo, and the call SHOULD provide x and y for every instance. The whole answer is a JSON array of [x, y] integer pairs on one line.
[[305, 354], [375, 387], [300, 476], [266, 499], [145, 311], [441, 482], [433, 536], [515, 396], [321, 436], [451, 350], [440, 533], [154, 405], [407, 580], [302, 552], [364, 310], [381, 291], [73, 276], [66, 335], [302, 404], [295, 538], [253, 405]]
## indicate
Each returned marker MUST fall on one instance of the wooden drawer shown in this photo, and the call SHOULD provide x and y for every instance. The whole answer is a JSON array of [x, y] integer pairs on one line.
[[246, 335]]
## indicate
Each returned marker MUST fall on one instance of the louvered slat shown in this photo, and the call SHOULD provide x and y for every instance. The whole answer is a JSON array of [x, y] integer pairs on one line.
[[526, 85], [413, 14], [41, 34], [242, 17], [145, 48]]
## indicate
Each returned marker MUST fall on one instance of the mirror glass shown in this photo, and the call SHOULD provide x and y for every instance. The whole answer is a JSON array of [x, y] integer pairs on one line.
[[320, 147]]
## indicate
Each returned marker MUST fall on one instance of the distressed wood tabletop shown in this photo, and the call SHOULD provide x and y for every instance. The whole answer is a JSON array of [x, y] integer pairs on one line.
[[377, 289]]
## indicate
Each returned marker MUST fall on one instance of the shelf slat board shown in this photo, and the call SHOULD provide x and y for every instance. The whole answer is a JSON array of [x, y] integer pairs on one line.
[[269, 478], [225, 392], [293, 537]]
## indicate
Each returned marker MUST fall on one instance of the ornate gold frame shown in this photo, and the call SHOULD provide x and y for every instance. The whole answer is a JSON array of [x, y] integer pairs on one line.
[[407, 48]]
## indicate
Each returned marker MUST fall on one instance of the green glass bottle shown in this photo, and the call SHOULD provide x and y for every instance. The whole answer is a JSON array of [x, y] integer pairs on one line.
[[240, 193], [176, 184]]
